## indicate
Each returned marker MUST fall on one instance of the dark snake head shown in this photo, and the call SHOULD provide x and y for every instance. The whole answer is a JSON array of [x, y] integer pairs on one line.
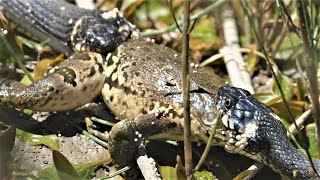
[[241, 115], [254, 130], [234, 107], [237, 107], [101, 31]]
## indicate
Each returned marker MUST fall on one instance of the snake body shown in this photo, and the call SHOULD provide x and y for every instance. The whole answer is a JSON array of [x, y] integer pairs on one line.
[[258, 133], [68, 27], [249, 127]]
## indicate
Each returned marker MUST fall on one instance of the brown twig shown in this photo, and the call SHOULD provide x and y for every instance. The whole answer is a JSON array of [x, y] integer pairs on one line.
[[186, 89], [310, 63], [199, 15], [289, 21], [174, 15], [208, 146], [279, 42]]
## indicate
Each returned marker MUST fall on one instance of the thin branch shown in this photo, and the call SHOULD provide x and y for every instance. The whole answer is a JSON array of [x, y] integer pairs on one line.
[[208, 146], [283, 12], [186, 90], [102, 121], [281, 5], [310, 62], [95, 139], [124, 169], [92, 131], [193, 25], [279, 43], [194, 17], [174, 15]]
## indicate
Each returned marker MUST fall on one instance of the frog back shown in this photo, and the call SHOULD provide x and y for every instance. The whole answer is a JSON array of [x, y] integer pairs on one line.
[[143, 77]]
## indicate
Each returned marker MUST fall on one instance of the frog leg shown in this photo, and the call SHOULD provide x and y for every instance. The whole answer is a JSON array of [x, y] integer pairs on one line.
[[127, 135], [73, 83]]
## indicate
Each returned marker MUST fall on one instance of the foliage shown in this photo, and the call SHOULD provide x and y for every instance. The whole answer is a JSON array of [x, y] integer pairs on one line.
[[272, 46]]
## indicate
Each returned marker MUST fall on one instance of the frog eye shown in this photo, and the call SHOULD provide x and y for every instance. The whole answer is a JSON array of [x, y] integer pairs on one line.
[[227, 103]]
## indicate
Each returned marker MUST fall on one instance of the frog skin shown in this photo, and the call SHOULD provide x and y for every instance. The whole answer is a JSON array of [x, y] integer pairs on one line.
[[140, 83], [143, 92]]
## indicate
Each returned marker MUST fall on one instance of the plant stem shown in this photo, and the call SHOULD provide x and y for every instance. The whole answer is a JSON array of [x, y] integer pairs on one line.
[[193, 18], [186, 90], [310, 63]]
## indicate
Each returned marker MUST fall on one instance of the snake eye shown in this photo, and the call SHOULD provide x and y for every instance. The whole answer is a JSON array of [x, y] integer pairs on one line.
[[227, 103]]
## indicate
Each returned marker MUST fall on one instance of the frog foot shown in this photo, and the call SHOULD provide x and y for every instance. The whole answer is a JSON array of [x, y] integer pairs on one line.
[[127, 135]]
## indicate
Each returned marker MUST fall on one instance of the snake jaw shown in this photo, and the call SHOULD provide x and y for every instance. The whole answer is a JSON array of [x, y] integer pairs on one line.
[[238, 119], [233, 123]]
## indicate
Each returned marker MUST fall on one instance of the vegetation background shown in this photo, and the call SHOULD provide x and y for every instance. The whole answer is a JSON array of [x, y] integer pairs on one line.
[[267, 47]]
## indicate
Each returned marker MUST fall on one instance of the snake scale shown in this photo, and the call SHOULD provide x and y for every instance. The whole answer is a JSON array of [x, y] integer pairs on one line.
[[139, 82]]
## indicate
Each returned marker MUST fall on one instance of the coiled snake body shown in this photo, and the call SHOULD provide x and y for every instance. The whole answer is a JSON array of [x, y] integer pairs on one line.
[[137, 81]]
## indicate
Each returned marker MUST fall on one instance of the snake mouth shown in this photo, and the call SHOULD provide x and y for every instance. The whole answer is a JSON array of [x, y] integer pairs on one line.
[[238, 119], [236, 125], [240, 133]]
